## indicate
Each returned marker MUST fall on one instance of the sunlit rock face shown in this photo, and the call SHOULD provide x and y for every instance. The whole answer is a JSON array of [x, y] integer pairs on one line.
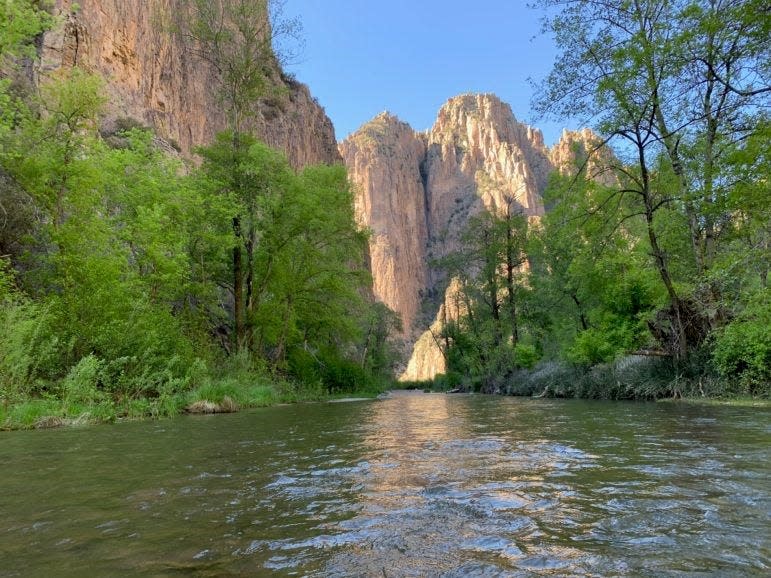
[[384, 160], [416, 192], [583, 150], [153, 79]]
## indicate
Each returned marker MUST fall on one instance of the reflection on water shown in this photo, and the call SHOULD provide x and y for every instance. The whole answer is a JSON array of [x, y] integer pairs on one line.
[[416, 485]]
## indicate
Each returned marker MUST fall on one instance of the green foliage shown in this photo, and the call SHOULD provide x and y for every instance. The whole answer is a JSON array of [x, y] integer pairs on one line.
[[29, 347], [525, 355], [20, 22], [743, 348], [594, 346], [33, 413], [119, 296], [82, 384], [341, 375]]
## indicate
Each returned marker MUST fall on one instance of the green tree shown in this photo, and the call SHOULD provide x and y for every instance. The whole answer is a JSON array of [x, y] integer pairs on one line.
[[677, 85], [236, 39], [490, 269], [20, 22]]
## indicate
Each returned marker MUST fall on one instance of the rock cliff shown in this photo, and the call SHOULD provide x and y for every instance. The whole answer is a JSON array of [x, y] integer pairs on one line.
[[152, 78], [384, 160], [416, 191], [584, 150]]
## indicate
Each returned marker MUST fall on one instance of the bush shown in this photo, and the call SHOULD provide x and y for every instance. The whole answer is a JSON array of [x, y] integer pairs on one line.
[[743, 348], [82, 384], [525, 355], [30, 351], [592, 347], [343, 376], [306, 368]]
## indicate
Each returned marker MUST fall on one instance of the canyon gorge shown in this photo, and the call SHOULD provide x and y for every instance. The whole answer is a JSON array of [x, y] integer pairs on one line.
[[414, 191]]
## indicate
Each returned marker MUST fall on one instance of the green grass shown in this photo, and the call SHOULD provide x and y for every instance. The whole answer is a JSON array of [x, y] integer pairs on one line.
[[28, 414], [237, 391]]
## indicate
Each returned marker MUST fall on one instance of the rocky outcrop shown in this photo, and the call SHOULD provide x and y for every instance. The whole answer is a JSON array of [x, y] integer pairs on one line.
[[153, 79], [584, 151], [416, 191], [384, 159]]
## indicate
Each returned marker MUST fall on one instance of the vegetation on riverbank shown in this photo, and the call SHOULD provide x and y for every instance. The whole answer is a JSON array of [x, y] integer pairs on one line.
[[625, 378], [656, 241], [234, 390], [137, 283]]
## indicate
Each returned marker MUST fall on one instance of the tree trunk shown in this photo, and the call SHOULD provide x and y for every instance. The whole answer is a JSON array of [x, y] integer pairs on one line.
[[510, 266], [680, 344], [238, 288]]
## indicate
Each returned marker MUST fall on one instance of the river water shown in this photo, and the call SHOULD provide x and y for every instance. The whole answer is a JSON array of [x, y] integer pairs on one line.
[[415, 485]]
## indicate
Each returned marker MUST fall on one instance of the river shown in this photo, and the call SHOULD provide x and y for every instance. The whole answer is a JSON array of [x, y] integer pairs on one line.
[[414, 485]]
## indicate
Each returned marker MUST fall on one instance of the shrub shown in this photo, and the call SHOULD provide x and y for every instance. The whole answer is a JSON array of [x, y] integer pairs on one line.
[[595, 346], [82, 384], [343, 376], [30, 351], [743, 348], [525, 355]]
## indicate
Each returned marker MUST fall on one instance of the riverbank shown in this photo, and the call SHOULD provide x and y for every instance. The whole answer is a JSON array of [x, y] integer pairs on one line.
[[226, 396], [627, 378]]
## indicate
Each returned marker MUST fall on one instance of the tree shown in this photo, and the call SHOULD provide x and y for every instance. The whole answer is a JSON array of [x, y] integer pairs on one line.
[[236, 39], [591, 276], [678, 85], [490, 269], [20, 22]]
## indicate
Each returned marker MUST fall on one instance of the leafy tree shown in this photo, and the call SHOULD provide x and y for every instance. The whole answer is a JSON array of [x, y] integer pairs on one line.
[[20, 22], [591, 274], [236, 39], [490, 269], [304, 268], [678, 85]]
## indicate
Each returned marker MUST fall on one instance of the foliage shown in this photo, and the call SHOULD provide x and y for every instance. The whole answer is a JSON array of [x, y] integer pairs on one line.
[[20, 22], [29, 350], [743, 348], [120, 292], [680, 88]]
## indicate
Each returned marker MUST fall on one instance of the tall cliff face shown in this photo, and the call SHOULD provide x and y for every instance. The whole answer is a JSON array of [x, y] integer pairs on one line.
[[416, 192], [384, 159], [151, 78]]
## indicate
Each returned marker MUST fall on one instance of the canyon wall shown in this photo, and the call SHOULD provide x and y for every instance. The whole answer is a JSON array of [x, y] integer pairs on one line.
[[152, 78], [416, 192]]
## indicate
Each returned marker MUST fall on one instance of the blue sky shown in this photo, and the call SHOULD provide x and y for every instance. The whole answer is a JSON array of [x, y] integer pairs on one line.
[[362, 57]]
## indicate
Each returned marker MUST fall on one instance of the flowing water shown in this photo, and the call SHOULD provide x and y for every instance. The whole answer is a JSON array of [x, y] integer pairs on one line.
[[415, 485]]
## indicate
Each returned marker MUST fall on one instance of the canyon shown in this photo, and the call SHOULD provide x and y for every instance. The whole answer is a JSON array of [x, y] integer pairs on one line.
[[414, 191]]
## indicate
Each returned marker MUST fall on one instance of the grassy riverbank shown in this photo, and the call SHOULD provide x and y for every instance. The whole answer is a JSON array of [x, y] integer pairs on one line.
[[227, 395]]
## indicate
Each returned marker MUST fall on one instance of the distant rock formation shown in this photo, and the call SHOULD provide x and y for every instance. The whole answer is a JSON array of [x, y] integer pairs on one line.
[[152, 79], [416, 192]]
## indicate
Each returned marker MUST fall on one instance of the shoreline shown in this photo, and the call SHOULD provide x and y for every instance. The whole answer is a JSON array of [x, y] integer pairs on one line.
[[49, 414]]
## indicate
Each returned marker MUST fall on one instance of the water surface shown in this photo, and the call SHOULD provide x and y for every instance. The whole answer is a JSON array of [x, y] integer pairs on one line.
[[415, 485]]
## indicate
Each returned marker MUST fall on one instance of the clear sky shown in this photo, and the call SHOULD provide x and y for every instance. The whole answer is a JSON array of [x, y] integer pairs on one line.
[[362, 57]]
